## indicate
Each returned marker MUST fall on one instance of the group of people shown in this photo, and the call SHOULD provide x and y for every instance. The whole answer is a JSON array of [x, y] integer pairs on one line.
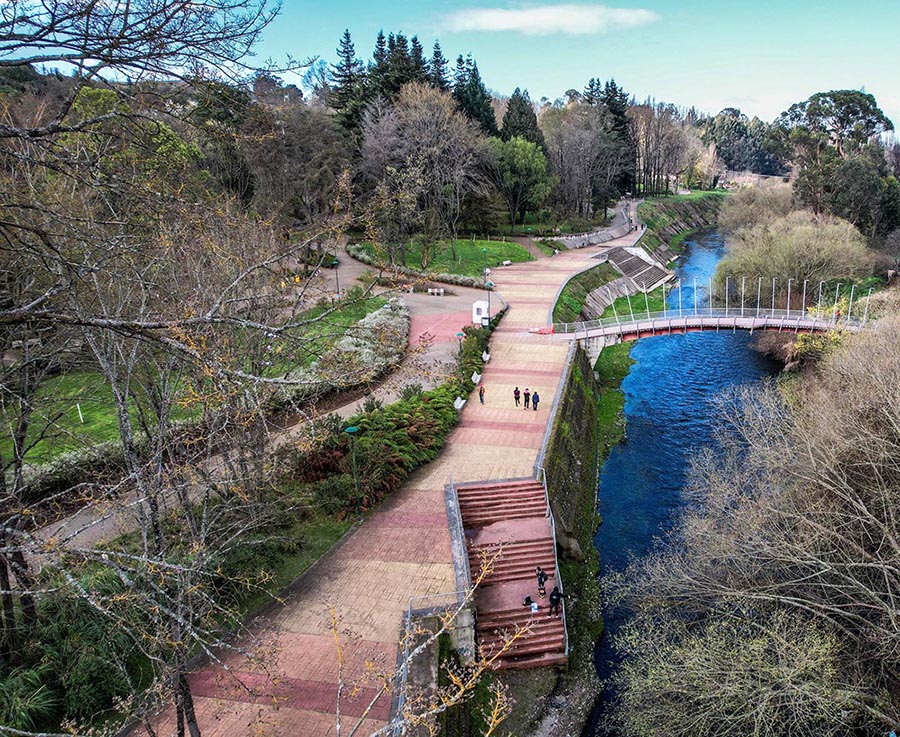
[[555, 595], [531, 398]]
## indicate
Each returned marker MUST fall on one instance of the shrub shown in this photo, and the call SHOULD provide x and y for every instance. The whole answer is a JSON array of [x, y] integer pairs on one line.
[[410, 391]]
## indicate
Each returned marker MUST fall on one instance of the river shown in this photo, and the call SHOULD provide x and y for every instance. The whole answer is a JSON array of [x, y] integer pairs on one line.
[[669, 415]]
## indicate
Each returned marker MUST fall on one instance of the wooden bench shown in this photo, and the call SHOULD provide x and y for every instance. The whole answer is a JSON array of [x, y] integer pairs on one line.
[[437, 292]]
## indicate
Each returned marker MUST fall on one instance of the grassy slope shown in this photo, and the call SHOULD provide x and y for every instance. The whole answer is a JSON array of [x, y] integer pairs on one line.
[[470, 258], [612, 367], [571, 299]]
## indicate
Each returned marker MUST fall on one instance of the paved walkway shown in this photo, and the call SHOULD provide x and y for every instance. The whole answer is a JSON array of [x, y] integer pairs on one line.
[[403, 549]]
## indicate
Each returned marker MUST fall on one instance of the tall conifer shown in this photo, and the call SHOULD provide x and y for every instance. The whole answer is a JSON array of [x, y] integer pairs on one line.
[[347, 84], [437, 68], [521, 120]]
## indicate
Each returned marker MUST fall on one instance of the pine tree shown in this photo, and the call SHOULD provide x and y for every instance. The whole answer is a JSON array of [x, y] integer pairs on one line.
[[347, 84], [399, 62], [460, 80], [615, 99], [593, 93], [478, 102], [378, 68], [437, 69], [521, 120], [418, 66]]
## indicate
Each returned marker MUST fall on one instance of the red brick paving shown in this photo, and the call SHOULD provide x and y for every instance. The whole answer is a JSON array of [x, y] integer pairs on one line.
[[401, 551]]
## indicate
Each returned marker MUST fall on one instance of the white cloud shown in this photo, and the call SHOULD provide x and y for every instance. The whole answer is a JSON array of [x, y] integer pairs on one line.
[[541, 20]]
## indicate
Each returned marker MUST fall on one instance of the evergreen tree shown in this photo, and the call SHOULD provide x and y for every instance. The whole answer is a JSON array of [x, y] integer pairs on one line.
[[437, 69], [520, 119], [593, 93], [472, 96], [378, 68], [615, 99], [418, 65], [399, 62], [347, 84], [460, 80]]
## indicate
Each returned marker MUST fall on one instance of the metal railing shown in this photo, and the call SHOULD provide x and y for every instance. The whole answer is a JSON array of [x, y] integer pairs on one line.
[[542, 477], [711, 317]]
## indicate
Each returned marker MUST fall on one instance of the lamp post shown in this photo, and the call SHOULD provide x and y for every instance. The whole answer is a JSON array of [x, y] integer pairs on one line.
[[459, 340], [351, 431]]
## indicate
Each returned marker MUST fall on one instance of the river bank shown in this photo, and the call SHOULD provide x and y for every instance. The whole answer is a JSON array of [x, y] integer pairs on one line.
[[669, 415]]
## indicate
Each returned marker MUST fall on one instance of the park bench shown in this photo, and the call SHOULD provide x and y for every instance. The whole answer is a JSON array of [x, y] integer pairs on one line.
[[436, 292]]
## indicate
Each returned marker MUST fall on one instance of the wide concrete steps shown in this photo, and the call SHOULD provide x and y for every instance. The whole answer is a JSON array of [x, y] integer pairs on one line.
[[513, 560], [507, 528], [485, 504], [543, 638]]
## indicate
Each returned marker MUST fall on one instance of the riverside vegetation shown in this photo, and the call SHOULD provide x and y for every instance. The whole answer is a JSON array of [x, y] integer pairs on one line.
[[170, 209]]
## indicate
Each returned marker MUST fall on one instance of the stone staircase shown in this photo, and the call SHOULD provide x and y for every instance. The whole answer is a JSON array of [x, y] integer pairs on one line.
[[646, 275], [506, 523]]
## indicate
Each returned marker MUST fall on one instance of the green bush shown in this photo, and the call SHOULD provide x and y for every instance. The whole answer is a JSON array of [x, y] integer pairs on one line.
[[391, 441], [25, 700], [91, 684], [335, 494]]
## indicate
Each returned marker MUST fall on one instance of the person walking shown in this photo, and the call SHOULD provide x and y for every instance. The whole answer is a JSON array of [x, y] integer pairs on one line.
[[516, 395], [555, 601], [535, 398], [541, 581], [527, 396], [481, 393]]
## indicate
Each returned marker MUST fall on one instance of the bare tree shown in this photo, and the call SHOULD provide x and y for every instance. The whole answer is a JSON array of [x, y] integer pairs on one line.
[[426, 134]]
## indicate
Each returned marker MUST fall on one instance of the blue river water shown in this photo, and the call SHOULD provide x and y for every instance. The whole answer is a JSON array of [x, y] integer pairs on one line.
[[668, 414]]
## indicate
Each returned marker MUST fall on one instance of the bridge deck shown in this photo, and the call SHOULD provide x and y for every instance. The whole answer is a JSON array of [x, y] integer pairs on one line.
[[675, 321]]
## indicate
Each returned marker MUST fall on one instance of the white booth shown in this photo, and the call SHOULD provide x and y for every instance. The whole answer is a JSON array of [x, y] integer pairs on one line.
[[480, 310]]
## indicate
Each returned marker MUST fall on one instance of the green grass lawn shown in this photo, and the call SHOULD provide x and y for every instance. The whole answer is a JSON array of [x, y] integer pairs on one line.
[[546, 246], [60, 397], [320, 336], [57, 403], [471, 256], [571, 299]]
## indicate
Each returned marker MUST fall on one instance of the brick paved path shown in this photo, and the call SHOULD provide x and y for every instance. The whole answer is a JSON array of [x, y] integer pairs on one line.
[[403, 549]]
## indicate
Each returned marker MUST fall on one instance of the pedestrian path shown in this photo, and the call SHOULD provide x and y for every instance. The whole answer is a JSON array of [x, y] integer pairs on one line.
[[403, 550]]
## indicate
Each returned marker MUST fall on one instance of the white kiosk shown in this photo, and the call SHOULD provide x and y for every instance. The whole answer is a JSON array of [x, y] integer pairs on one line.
[[480, 312]]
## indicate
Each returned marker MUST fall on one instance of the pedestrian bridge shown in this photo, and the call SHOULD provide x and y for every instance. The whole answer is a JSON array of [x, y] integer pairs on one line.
[[671, 322]]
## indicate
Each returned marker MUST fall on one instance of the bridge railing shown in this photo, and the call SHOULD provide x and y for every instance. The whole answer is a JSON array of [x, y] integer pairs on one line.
[[724, 317]]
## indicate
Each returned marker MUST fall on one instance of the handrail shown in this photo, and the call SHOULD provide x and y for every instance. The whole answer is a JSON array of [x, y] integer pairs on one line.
[[688, 318], [542, 476]]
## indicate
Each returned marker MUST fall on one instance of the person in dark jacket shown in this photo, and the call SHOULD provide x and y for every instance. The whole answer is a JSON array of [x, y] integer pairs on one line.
[[535, 398], [541, 581], [481, 393], [555, 601], [516, 395], [527, 396]]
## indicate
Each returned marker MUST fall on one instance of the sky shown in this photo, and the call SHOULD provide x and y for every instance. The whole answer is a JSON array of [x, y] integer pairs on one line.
[[758, 55]]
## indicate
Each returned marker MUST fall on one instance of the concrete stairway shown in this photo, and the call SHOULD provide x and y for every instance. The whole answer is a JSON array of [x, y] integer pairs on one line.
[[506, 524], [492, 502]]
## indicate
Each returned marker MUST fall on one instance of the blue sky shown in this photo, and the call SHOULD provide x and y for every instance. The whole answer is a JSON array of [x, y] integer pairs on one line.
[[759, 55]]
